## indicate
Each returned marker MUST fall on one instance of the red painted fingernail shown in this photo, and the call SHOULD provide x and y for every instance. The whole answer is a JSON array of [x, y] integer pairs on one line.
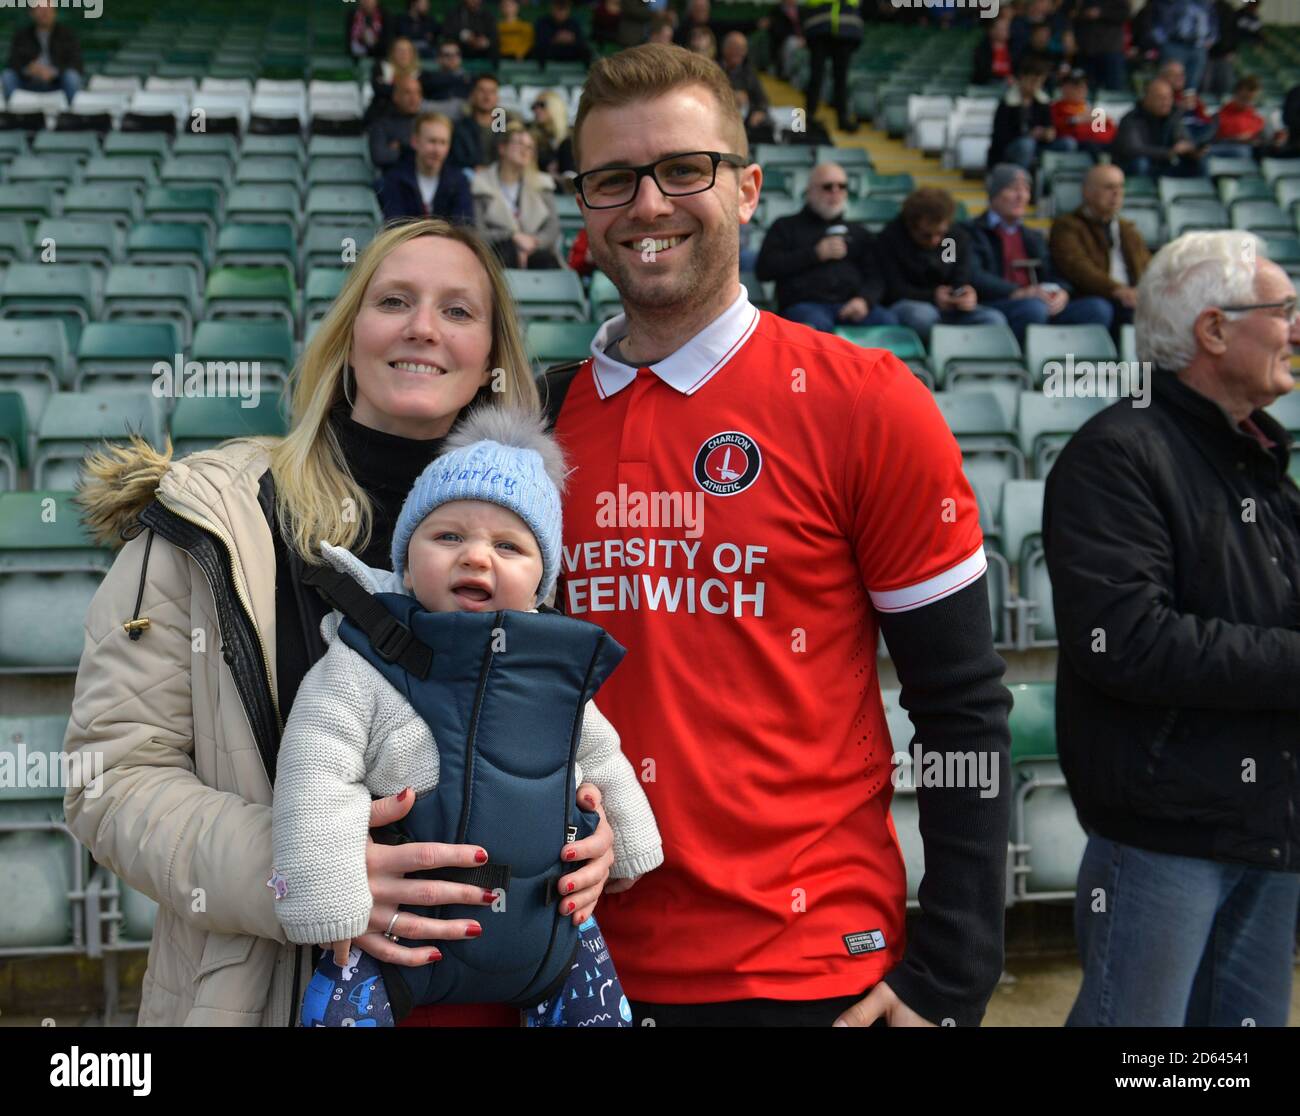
[[481, 857], [489, 896], [568, 888], [570, 907], [435, 956], [568, 854], [473, 931], [404, 792]]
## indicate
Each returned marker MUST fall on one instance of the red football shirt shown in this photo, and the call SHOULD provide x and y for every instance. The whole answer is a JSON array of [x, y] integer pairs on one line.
[[736, 517]]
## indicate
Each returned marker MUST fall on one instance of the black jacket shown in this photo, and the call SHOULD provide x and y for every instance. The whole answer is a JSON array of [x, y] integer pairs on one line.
[[788, 256], [399, 194], [913, 272], [986, 259], [1175, 537], [65, 48], [1142, 134], [1105, 34], [1014, 119]]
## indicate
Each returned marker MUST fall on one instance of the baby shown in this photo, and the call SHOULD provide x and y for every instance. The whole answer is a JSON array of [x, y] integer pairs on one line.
[[479, 533]]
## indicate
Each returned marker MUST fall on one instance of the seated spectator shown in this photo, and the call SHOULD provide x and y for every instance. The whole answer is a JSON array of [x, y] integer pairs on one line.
[[559, 36], [699, 13], [550, 131], [403, 61], [1011, 270], [366, 30], [1151, 139], [449, 81], [514, 35], [1055, 58], [1030, 15], [1099, 29], [472, 25], [427, 186], [926, 264], [1073, 119], [785, 38], [993, 55], [514, 205], [735, 64], [1187, 104], [420, 27], [662, 28], [390, 132], [824, 267], [474, 140], [1023, 121], [1095, 250], [702, 41], [44, 55], [1241, 129]]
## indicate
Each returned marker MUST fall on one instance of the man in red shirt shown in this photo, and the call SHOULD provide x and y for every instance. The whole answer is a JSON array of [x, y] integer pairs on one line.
[[752, 503]]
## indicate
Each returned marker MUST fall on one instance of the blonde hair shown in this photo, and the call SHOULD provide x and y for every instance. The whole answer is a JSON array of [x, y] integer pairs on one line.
[[648, 71], [432, 118], [412, 70], [557, 116], [316, 495]]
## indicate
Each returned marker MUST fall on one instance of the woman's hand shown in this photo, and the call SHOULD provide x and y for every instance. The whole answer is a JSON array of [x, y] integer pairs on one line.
[[386, 869], [580, 890]]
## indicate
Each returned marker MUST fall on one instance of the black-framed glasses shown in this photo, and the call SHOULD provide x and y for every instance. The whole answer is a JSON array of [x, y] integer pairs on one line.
[[835, 185], [677, 176], [1287, 304]]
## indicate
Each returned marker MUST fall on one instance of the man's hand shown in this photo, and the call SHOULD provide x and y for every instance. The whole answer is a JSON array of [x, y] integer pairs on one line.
[[943, 298], [854, 310], [967, 300], [1126, 296], [1183, 147], [831, 248], [1056, 301], [881, 1001]]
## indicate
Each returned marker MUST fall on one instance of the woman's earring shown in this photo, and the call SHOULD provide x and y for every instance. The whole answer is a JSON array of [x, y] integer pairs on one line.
[[347, 368]]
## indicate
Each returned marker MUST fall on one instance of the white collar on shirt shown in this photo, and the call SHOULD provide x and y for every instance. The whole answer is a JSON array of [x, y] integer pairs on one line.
[[690, 367]]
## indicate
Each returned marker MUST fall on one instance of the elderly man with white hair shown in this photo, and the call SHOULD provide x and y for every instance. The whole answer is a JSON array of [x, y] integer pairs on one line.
[[1172, 536]]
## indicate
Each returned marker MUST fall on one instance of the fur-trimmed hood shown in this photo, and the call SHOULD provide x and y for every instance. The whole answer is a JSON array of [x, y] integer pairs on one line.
[[118, 482]]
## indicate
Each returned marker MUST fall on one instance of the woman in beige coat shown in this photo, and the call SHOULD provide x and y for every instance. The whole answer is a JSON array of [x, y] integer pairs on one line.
[[514, 205], [200, 633]]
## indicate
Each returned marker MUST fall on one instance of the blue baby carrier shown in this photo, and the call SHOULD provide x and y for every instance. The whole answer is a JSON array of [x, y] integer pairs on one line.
[[503, 694]]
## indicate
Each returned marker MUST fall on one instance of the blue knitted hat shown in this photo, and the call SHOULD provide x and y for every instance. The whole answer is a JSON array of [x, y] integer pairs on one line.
[[502, 456]]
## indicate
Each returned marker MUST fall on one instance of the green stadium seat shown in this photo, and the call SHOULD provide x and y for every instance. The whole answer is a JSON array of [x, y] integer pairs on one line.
[[1022, 525], [338, 146], [41, 290], [166, 243], [1045, 343], [874, 212], [1264, 218], [335, 245], [890, 185], [270, 343], [552, 342], [270, 170], [1128, 342], [900, 340], [152, 145], [123, 354], [606, 302], [198, 204], [13, 438], [65, 241], [1047, 423], [262, 204], [1286, 410], [271, 146], [986, 435], [200, 423], [34, 361], [323, 286], [1275, 170], [15, 244], [1174, 189], [1253, 188], [251, 293], [342, 170], [1285, 252], [783, 155], [1287, 191], [980, 351], [847, 157], [1217, 166], [208, 145], [257, 244], [103, 201], [136, 170], [547, 294], [48, 171], [13, 144], [73, 424], [1195, 213], [186, 171], [772, 209], [49, 570], [342, 204], [1148, 224], [80, 145], [903, 807], [25, 204]]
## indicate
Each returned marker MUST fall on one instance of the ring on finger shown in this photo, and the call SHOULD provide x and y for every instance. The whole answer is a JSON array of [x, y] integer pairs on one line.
[[391, 923]]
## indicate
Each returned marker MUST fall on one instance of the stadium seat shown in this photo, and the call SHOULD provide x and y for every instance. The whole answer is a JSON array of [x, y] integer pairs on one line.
[[72, 240], [335, 205], [1264, 218], [980, 351], [553, 342], [272, 146], [270, 343], [1175, 189], [43, 171], [1286, 410], [847, 157], [73, 424], [34, 361], [1148, 224], [1067, 192], [783, 155], [264, 204], [270, 170], [1047, 423], [200, 423], [148, 144], [103, 201], [1285, 252], [123, 354], [131, 170], [1218, 166], [335, 245], [25, 204], [41, 290], [1044, 343], [902, 341], [772, 209], [606, 302], [251, 293], [903, 807], [15, 244], [80, 145], [1194, 213], [49, 570], [986, 436], [343, 170], [1128, 342], [170, 243], [208, 146], [874, 212], [547, 294], [889, 185], [198, 204], [1022, 525], [1275, 170], [13, 144], [257, 244], [1253, 188], [187, 171], [13, 438], [321, 289]]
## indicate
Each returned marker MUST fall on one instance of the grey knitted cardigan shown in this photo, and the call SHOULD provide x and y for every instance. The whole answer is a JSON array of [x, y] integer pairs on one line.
[[351, 736]]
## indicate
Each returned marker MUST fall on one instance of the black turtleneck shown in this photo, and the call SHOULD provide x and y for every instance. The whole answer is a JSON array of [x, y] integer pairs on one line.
[[385, 466]]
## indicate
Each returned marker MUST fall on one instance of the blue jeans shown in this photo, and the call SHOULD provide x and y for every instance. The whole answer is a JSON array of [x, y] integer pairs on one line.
[[1182, 941], [68, 80], [1193, 59], [1023, 151], [1023, 312], [924, 316], [1188, 166], [822, 315]]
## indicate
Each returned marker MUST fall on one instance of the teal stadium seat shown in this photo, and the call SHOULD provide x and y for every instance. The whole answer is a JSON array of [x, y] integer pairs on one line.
[[339, 170], [269, 343], [62, 240], [323, 286], [199, 204], [1046, 424], [49, 290], [270, 170], [334, 205], [978, 351], [35, 361], [168, 293], [15, 244], [73, 424], [169, 242], [201, 423], [903, 809], [1022, 527], [251, 293], [1045, 343], [13, 439], [103, 201], [547, 294], [22, 203], [606, 302], [140, 171], [555, 342], [335, 245], [123, 354], [258, 244]]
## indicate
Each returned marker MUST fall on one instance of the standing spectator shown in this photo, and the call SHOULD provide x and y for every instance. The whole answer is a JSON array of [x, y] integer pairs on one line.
[[515, 35], [735, 64], [450, 80], [833, 29], [992, 61], [559, 36], [514, 205], [44, 55], [926, 262], [1187, 103], [1073, 119], [403, 61], [366, 30], [1095, 250], [550, 131], [390, 132], [1030, 16], [824, 267], [1184, 30], [1152, 140], [472, 25], [785, 37], [1099, 31], [474, 140], [1023, 120], [1176, 680], [1030, 294], [426, 186], [420, 27]]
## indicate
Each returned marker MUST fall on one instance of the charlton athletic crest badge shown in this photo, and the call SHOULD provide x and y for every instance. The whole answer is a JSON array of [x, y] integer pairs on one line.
[[727, 463]]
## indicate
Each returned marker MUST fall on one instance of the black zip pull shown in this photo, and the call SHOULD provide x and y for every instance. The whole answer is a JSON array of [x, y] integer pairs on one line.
[[138, 624]]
